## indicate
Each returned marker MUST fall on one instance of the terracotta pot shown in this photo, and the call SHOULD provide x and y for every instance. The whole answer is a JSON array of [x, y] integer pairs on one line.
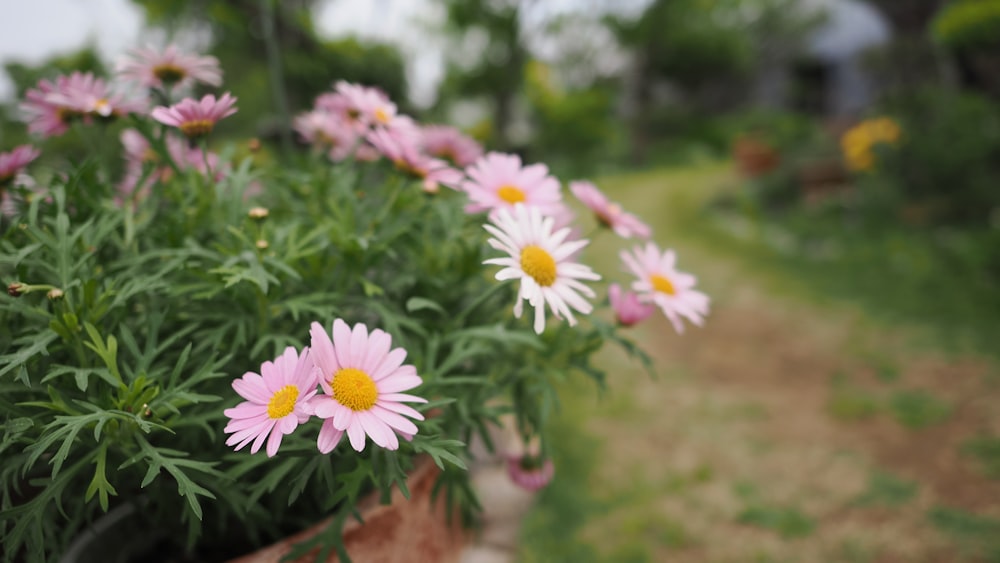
[[754, 157], [404, 530]]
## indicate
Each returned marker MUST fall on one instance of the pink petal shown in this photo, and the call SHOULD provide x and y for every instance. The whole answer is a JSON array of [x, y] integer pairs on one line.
[[398, 383], [356, 433], [329, 437]]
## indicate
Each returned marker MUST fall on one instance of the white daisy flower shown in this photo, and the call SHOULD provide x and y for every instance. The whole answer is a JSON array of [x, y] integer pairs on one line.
[[541, 260]]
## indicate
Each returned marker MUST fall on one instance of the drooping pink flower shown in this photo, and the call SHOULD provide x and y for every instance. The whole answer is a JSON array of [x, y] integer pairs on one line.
[[362, 380], [399, 147], [51, 107], [328, 131], [660, 283], [629, 310], [14, 161], [530, 472], [360, 106], [196, 118], [139, 155], [275, 402], [608, 213], [448, 143], [11, 163], [540, 260], [498, 181], [155, 69]]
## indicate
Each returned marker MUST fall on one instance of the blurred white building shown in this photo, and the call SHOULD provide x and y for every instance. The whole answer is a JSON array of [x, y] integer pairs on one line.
[[831, 78]]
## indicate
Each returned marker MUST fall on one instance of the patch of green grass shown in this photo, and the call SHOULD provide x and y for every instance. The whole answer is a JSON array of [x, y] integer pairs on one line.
[[918, 409], [887, 490], [644, 528], [987, 450], [851, 403], [974, 534], [853, 551], [551, 530], [786, 521]]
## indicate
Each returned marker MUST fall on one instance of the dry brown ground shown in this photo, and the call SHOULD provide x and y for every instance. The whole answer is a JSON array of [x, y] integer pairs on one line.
[[741, 419]]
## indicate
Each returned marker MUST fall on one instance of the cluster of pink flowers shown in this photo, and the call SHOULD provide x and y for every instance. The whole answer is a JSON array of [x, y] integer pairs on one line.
[[360, 380], [528, 219], [51, 107], [11, 164], [362, 122]]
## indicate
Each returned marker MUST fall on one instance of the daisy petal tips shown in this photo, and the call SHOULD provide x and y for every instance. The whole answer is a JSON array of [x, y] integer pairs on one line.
[[541, 260], [275, 402], [362, 378]]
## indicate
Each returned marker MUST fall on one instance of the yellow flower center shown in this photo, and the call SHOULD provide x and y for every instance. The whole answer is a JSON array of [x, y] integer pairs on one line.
[[539, 264], [382, 116], [662, 284], [169, 73], [197, 127], [510, 194], [102, 107], [354, 389], [283, 402]]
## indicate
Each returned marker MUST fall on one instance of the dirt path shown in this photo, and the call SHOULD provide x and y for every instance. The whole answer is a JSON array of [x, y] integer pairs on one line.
[[785, 430]]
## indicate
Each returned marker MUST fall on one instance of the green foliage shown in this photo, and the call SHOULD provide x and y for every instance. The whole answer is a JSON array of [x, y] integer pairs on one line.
[[886, 489], [787, 522], [968, 24], [987, 450], [936, 186], [917, 409], [113, 393], [976, 535]]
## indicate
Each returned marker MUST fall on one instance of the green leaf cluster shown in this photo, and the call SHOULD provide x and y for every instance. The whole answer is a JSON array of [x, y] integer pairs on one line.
[[113, 392]]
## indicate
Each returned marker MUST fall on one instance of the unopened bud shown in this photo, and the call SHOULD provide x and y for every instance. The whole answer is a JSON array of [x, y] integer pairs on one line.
[[253, 144], [262, 244], [258, 213], [15, 289], [54, 294]]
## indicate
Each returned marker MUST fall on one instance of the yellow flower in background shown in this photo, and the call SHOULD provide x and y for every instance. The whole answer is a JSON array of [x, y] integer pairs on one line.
[[857, 142]]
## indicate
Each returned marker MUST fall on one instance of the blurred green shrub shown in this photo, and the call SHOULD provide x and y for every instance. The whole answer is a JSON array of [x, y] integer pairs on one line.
[[968, 24], [946, 166]]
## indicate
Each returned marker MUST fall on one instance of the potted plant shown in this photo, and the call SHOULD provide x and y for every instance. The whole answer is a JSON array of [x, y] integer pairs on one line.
[[203, 353]]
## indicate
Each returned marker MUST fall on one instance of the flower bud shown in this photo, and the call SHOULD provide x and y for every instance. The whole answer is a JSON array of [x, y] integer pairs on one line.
[[262, 244], [253, 144], [15, 289], [55, 294], [258, 213]]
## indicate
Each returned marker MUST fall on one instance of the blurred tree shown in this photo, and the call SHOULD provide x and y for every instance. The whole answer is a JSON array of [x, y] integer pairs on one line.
[[699, 54], [495, 71]]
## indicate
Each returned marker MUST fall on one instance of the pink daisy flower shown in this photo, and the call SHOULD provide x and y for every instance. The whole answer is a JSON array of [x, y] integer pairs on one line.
[[530, 472], [275, 402], [196, 118], [608, 213], [499, 181], [360, 106], [14, 161], [629, 310], [50, 108], [361, 380], [540, 259], [326, 130], [401, 149], [155, 69], [450, 144], [661, 284]]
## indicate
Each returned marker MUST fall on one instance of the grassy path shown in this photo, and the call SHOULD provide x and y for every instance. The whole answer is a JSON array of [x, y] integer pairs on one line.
[[790, 428]]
